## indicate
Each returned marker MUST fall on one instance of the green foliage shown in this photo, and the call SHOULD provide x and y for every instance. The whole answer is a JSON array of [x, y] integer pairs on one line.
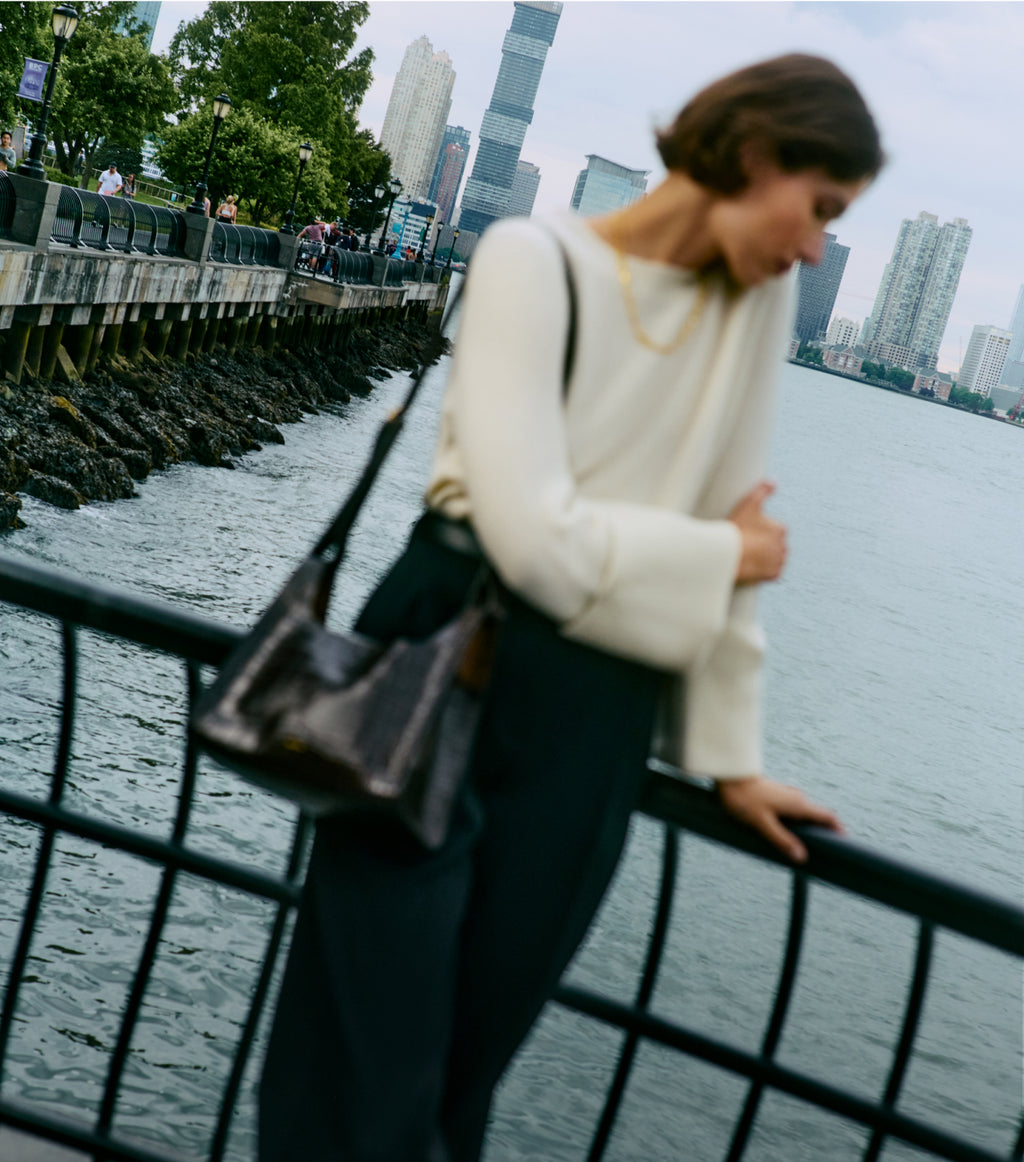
[[810, 354], [289, 66], [900, 378], [127, 158], [970, 400], [25, 31], [110, 87], [872, 370], [253, 159], [366, 213]]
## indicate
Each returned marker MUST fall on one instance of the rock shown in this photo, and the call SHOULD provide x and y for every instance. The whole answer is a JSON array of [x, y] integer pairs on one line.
[[10, 506], [63, 412], [53, 491]]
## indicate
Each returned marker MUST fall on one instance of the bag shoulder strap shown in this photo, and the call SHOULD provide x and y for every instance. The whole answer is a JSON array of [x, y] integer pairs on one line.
[[336, 533]]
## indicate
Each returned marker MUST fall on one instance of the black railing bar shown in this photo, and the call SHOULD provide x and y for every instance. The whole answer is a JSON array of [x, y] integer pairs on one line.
[[220, 1137], [911, 1020], [79, 1137], [1018, 1150], [834, 859], [157, 923], [775, 1076], [30, 915], [783, 994], [655, 949], [161, 851], [94, 607], [845, 863]]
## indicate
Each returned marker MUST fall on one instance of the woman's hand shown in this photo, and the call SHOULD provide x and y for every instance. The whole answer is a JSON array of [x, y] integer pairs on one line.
[[762, 804], [764, 540]]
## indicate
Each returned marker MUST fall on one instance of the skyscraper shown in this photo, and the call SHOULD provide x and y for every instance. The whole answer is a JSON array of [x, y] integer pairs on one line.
[[983, 363], [146, 13], [817, 287], [448, 186], [524, 189], [605, 185], [917, 291], [417, 111], [453, 135], [1013, 372], [510, 112]]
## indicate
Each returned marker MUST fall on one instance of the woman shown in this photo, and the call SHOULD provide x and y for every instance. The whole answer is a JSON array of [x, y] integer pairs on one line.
[[227, 211], [626, 520], [128, 189]]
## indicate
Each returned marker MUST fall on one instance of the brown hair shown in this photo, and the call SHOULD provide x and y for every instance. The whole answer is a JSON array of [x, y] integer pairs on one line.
[[802, 110]]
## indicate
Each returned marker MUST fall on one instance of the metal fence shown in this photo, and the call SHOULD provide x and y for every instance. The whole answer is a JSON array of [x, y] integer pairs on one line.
[[85, 218], [7, 202], [935, 903], [244, 245]]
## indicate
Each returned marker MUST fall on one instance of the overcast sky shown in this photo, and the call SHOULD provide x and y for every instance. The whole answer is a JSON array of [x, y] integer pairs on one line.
[[945, 81]]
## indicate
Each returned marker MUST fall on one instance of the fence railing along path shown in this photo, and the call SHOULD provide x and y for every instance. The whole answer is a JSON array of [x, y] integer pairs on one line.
[[935, 904]]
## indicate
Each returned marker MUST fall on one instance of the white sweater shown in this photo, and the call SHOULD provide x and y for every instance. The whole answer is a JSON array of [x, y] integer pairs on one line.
[[608, 512]]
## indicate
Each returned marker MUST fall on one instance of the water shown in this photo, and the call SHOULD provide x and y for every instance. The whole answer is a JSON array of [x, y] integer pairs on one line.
[[893, 690]]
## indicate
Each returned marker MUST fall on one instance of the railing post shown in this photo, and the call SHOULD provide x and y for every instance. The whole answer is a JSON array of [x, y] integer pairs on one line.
[[35, 208], [380, 269], [288, 248], [198, 234]]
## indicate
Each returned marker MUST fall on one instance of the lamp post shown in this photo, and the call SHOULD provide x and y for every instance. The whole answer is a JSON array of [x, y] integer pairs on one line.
[[305, 153], [221, 108], [426, 234], [455, 237], [437, 239], [394, 189], [378, 195], [65, 21]]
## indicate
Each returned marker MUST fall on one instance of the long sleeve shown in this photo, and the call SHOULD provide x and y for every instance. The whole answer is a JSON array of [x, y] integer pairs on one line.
[[641, 580]]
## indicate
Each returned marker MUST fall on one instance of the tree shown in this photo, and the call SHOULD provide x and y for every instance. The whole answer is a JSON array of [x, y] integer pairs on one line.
[[900, 378], [254, 159], [288, 64], [810, 354], [366, 213], [111, 88], [25, 31]]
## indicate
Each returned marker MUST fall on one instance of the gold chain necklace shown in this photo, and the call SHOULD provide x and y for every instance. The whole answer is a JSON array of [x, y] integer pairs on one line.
[[641, 336]]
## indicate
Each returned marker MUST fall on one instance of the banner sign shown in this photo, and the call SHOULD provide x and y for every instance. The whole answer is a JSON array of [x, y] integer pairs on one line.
[[33, 79]]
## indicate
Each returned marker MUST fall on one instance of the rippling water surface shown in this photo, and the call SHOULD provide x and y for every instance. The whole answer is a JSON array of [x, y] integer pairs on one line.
[[894, 685]]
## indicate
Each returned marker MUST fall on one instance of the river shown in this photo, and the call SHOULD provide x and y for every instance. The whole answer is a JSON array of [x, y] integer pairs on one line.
[[894, 685]]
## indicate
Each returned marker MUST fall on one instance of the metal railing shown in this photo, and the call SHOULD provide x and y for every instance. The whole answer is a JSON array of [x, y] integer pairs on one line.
[[7, 204], [244, 245], [936, 904], [85, 218]]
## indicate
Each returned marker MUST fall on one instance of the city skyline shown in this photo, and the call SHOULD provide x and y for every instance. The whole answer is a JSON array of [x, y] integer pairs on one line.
[[943, 79]]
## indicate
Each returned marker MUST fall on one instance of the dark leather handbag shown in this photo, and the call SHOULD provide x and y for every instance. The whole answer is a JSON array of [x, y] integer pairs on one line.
[[336, 721]]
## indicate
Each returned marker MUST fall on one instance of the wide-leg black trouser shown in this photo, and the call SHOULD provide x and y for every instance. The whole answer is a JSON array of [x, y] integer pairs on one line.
[[414, 976]]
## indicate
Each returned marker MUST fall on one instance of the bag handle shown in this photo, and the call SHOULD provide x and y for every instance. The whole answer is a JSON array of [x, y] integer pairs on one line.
[[335, 536]]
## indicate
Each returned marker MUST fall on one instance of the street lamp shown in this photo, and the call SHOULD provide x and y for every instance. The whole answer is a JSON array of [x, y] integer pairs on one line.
[[455, 237], [394, 188], [437, 239], [378, 195], [65, 21], [426, 233], [305, 153], [221, 108]]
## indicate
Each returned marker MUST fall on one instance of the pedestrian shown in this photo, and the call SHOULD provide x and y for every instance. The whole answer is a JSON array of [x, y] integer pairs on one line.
[[314, 247], [227, 211], [128, 189], [79, 163], [109, 184], [7, 149], [622, 506]]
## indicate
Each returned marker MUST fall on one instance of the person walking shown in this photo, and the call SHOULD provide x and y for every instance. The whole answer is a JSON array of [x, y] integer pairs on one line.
[[110, 183], [608, 464], [128, 189], [227, 211], [7, 149]]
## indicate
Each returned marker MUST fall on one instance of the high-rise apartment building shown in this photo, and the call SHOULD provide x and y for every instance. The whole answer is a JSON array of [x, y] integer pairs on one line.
[[421, 98], [448, 185], [917, 291], [453, 135], [1013, 372], [984, 361], [605, 185], [817, 287], [841, 333], [509, 114], [524, 190]]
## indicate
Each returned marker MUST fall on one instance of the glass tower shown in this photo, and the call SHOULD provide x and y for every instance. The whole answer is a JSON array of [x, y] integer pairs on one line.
[[453, 135], [509, 114], [817, 287], [605, 185]]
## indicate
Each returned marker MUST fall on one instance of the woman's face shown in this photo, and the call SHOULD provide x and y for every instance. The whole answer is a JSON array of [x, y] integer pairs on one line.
[[779, 219]]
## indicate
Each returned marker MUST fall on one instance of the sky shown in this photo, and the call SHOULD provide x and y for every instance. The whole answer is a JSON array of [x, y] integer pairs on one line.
[[944, 80]]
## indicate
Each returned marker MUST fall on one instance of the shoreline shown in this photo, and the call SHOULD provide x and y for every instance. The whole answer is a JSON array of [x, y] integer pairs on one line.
[[900, 391], [67, 444]]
